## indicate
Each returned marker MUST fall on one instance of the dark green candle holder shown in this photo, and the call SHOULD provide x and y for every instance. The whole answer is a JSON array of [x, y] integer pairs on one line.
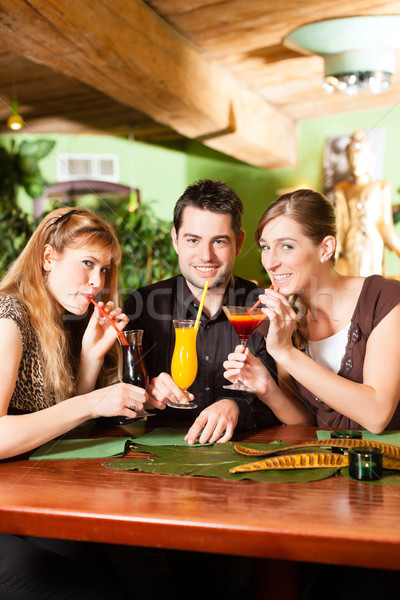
[[365, 464], [346, 434]]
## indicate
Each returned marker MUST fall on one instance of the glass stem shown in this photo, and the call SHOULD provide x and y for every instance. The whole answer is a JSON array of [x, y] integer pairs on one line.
[[240, 378]]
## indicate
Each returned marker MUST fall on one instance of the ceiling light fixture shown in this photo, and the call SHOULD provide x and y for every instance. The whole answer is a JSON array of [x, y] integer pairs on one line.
[[15, 121], [359, 52]]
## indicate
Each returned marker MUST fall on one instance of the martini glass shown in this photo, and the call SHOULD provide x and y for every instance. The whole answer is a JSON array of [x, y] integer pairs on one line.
[[245, 321]]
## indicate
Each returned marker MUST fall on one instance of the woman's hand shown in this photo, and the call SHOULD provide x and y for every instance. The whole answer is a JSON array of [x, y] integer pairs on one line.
[[282, 319], [120, 399], [253, 372], [100, 335]]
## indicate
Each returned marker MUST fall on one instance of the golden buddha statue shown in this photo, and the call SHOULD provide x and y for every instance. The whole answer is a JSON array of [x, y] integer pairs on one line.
[[364, 213]]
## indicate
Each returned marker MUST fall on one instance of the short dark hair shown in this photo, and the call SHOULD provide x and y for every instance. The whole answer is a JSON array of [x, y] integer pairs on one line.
[[213, 195]]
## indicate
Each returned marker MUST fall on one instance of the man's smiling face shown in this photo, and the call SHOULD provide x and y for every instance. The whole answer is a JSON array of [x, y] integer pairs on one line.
[[206, 246]]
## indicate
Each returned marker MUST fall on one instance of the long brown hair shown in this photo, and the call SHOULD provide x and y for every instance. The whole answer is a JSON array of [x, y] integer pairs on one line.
[[316, 216], [26, 281]]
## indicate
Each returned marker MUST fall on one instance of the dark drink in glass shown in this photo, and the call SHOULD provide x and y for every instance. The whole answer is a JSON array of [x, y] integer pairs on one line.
[[133, 371]]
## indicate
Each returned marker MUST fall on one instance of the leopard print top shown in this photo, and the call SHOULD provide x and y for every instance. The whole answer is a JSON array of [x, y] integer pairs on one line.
[[29, 393]]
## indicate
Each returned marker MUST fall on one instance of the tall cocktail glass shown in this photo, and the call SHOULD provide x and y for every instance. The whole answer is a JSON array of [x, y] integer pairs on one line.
[[184, 360], [133, 370], [244, 321]]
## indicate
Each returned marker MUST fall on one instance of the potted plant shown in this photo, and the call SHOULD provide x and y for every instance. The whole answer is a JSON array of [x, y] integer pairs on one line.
[[19, 168]]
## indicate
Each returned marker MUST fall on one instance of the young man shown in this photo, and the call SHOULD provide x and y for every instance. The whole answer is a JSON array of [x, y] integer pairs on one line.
[[207, 236]]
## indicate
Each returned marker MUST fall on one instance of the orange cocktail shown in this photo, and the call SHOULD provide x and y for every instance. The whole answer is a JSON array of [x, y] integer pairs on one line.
[[184, 359]]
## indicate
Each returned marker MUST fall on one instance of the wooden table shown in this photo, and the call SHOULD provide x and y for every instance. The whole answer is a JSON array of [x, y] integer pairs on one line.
[[336, 520]]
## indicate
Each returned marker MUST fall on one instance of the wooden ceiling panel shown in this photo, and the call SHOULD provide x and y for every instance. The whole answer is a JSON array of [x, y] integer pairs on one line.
[[215, 71], [51, 102], [237, 26]]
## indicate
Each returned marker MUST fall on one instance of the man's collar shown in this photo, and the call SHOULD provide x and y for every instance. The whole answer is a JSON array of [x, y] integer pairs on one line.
[[187, 305]]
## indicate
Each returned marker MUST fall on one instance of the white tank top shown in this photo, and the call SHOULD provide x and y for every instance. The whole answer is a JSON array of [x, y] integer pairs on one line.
[[329, 352]]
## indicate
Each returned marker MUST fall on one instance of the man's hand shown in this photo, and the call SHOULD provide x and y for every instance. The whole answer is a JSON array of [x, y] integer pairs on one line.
[[163, 389], [217, 421]]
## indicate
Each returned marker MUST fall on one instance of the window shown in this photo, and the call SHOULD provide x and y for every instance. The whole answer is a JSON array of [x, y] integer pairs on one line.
[[100, 167]]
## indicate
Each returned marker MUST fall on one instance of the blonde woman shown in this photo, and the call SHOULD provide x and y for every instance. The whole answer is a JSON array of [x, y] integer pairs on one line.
[[51, 383], [44, 391]]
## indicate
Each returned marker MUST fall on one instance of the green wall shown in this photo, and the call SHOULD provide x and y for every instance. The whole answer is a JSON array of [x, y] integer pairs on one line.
[[159, 172], [163, 172]]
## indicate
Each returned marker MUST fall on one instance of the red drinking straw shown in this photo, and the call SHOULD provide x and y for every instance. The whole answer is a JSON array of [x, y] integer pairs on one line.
[[109, 319], [259, 301]]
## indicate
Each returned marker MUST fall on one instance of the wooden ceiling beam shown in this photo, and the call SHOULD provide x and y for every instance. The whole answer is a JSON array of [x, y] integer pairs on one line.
[[129, 53]]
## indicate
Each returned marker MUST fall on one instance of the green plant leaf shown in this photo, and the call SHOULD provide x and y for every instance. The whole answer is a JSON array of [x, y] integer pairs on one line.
[[33, 185], [36, 148], [18, 167], [210, 461], [28, 165], [15, 230]]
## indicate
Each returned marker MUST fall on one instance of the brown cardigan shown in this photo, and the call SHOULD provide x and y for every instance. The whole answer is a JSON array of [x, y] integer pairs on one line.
[[377, 298]]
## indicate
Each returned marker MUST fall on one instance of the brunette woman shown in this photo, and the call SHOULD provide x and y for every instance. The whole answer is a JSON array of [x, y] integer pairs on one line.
[[334, 338]]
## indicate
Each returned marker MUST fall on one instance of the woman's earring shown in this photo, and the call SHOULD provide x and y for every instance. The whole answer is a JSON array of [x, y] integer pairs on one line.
[[45, 273]]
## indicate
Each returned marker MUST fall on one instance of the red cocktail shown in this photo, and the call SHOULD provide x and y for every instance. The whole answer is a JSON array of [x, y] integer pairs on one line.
[[244, 325], [244, 321]]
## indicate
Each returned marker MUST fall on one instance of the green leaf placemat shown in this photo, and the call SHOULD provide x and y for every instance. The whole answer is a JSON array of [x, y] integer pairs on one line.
[[389, 478], [107, 447], [212, 461], [164, 436], [387, 437]]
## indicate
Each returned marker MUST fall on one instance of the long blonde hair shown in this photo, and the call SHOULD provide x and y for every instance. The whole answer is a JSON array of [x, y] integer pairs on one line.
[[26, 281], [316, 216]]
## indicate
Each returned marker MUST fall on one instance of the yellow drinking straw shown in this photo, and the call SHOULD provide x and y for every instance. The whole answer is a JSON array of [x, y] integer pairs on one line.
[[196, 325]]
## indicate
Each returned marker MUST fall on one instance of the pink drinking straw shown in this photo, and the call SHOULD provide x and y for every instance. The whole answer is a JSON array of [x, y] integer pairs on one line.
[[109, 319], [259, 301]]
